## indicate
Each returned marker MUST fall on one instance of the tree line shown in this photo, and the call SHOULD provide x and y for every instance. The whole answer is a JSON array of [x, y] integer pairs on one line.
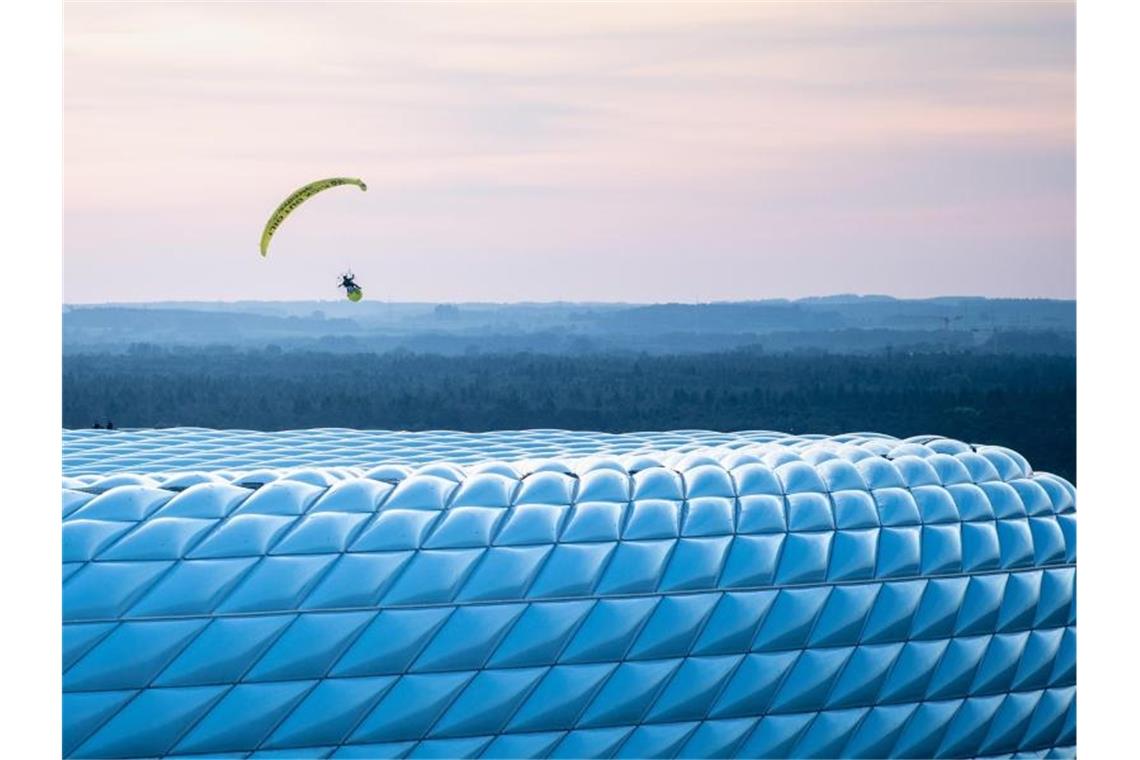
[[1025, 402]]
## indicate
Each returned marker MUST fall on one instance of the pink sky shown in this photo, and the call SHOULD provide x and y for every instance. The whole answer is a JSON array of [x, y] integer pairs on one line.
[[638, 152]]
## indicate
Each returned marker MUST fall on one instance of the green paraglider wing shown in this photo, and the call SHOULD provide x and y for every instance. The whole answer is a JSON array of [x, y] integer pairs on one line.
[[298, 197]]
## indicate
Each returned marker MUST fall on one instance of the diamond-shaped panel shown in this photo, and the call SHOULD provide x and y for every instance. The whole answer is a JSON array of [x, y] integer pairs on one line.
[[544, 593]]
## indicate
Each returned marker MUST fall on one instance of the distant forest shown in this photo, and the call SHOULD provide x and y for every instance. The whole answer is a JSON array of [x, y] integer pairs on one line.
[[837, 324], [1026, 402]]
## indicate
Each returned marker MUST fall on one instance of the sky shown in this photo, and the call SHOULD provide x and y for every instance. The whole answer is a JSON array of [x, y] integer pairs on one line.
[[578, 152]]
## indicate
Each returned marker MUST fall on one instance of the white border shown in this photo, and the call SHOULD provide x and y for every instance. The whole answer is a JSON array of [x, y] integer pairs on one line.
[[31, 195], [1108, 211]]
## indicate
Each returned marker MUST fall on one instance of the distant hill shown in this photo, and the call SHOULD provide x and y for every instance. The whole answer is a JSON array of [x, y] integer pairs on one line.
[[837, 324]]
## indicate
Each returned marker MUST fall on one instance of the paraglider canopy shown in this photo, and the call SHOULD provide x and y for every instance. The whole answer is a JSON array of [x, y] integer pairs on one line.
[[298, 197]]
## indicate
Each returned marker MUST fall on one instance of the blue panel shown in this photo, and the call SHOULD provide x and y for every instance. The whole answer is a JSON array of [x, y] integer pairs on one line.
[[243, 535], [717, 738], [695, 564], [598, 742], [942, 605], [224, 651], [829, 733], [505, 572], [879, 731], [572, 570], [891, 617], [339, 593], [762, 514], [83, 539], [1019, 601], [193, 587], [488, 701], [853, 555], [844, 616], [981, 604], [896, 507], [531, 524], [751, 688], [410, 707], [106, 589], [593, 521], [924, 732], [391, 642], [545, 488], [125, 503], [629, 692], [468, 637], [560, 697], [652, 518], [864, 674], [432, 576], [912, 671], [708, 516], [752, 561], [374, 751], [277, 583], [791, 618], [996, 671], [357, 580], [636, 568], [261, 707], [809, 511], [131, 656], [776, 735], [899, 553], [159, 538], [281, 497], [78, 638], [151, 722], [320, 533], [981, 549], [941, 549], [673, 627], [523, 745], [854, 509], [972, 502], [464, 527], [422, 492], [733, 623], [357, 495], [935, 505], [83, 712], [309, 647], [693, 688], [656, 741], [956, 671], [540, 633], [810, 680], [963, 737], [485, 489], [395, 529], [1048, 540], [450, 749]]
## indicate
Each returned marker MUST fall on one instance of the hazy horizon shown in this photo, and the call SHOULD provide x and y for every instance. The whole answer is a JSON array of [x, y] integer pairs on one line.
[[551, 302], [570, 152]]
